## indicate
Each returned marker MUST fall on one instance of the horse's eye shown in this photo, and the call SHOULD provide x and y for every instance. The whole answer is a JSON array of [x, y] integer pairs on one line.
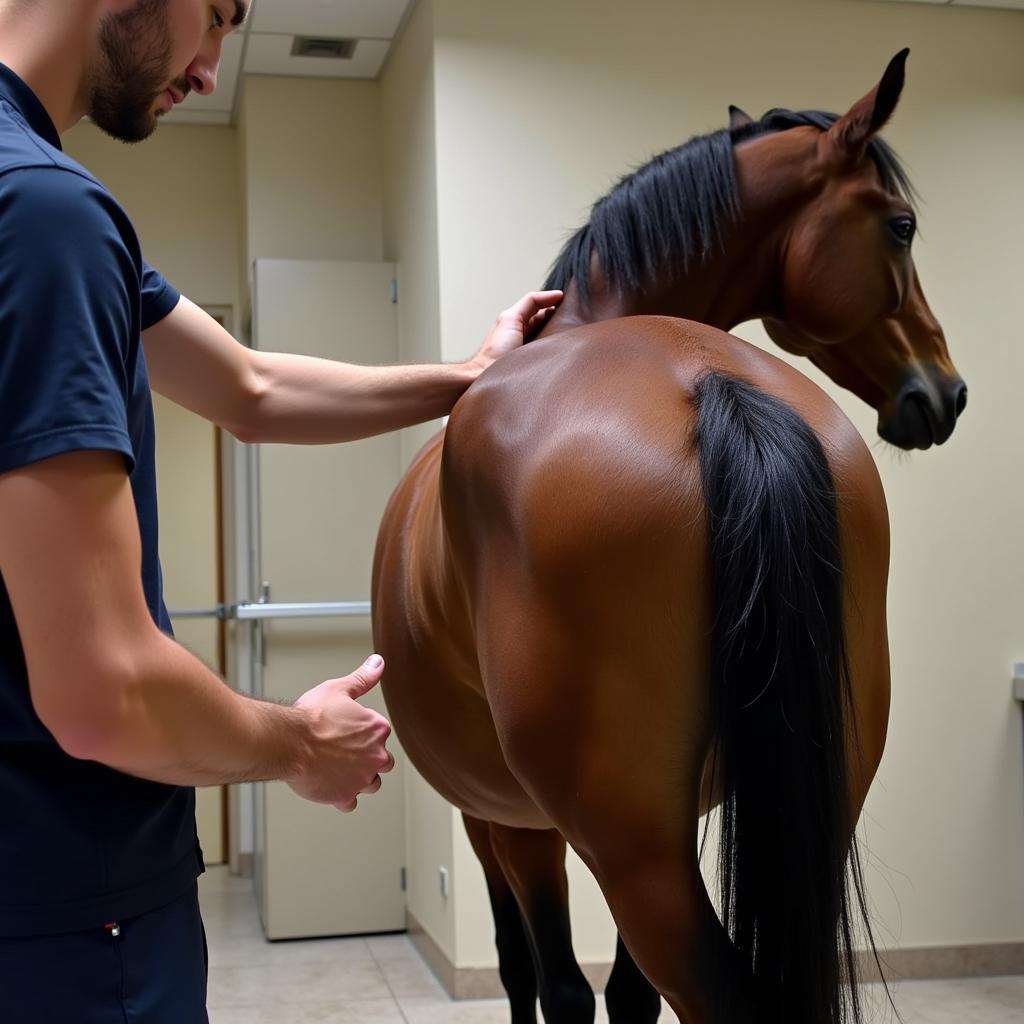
[[903, 229]]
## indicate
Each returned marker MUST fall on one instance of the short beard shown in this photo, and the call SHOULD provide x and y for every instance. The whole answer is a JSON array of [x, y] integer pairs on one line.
[[135, 61]]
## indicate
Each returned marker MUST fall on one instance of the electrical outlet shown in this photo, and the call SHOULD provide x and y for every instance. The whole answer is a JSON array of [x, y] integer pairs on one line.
[[444, 883]]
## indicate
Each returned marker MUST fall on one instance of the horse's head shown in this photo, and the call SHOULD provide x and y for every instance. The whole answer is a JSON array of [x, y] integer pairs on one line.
[[803, 219], [847, 294]]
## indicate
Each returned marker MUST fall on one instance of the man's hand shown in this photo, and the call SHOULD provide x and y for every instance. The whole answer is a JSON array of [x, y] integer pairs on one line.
[[347, 754], [516, 325]]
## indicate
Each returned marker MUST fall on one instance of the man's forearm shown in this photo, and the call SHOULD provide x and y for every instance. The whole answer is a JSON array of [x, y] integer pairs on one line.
[[174, 721], [279, 397], [305, 400]]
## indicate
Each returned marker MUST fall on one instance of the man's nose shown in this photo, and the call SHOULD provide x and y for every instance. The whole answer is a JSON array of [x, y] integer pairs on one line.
[[202, 76]]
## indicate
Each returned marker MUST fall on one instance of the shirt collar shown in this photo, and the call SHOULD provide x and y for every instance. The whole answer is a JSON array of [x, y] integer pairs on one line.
[[24, 100]]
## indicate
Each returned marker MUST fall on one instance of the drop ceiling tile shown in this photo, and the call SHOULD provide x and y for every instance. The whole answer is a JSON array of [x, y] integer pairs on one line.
[[350, 19], [271, 55]]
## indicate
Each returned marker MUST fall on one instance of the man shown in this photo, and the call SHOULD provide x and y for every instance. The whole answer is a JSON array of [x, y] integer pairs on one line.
[[105, 722]]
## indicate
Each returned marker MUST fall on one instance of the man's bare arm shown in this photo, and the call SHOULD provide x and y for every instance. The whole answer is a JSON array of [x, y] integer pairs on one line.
[[279, 397], [112, 688]]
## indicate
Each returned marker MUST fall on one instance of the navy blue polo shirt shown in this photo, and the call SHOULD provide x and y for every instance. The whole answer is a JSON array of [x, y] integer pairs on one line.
[[80, 844]]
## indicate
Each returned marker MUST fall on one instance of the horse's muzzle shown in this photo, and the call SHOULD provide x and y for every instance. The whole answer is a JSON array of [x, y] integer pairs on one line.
[[925, 413]]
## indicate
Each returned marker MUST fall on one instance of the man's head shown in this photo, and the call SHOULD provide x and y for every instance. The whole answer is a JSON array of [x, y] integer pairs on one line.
[[151, 54]]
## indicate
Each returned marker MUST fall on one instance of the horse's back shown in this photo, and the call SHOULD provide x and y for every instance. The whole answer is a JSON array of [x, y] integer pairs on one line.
[[582, 449]]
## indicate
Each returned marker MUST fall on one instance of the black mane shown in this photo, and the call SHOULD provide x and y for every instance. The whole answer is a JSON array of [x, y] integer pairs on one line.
[[676, 209]]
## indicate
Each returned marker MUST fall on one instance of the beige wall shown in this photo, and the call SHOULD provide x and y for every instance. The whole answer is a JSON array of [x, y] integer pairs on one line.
[[410, 193], [312, 164], [181, 190], [532, 126]]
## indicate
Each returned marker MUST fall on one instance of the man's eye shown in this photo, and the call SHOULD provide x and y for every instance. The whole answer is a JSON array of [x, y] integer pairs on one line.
[[217, 19]]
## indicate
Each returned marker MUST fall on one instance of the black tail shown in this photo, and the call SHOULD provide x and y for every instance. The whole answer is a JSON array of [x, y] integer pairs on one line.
[[790, 877]]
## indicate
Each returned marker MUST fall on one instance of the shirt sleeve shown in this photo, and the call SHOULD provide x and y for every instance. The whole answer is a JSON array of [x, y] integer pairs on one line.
[[69, 305], [159, 296]]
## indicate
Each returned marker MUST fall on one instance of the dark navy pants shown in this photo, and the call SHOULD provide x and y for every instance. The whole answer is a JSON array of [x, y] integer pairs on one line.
[[153, 971]]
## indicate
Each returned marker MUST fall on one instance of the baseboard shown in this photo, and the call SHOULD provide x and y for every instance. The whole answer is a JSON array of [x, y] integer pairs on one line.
[[899, 965], [433, 955], [934, 962]]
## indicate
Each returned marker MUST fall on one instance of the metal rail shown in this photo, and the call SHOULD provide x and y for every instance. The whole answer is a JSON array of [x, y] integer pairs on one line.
[[311, 610], [259, 610]]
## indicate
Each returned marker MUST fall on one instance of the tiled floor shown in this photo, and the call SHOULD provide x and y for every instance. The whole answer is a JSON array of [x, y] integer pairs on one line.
[[384, 981]]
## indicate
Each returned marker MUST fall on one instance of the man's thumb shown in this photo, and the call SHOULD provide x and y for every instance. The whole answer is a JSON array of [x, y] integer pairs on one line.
[[366, 677]]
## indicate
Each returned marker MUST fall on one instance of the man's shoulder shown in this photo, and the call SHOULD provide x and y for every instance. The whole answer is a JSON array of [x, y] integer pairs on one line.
[[28, 163], [21, 148], [24, 172], [47, 198]]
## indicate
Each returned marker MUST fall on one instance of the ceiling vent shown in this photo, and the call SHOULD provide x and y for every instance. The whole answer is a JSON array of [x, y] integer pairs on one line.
[[318, 46]]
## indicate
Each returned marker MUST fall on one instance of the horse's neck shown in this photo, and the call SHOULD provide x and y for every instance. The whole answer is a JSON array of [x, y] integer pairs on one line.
[[733, 288]]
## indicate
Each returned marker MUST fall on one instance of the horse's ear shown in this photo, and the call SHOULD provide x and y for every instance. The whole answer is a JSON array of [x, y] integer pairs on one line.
[[738, 118], [852, 132]]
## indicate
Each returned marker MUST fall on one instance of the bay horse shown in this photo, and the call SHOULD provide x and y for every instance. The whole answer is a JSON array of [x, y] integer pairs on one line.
[[642, 573]]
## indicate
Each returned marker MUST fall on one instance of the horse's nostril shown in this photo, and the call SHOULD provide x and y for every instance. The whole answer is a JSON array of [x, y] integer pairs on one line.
[[961, 399], [920, 400]]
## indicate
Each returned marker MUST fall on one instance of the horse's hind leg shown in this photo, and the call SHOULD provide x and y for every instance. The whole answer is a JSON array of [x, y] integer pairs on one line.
[[610, 742], [533, 861], [629, 996], [515, 960], [663, 913]]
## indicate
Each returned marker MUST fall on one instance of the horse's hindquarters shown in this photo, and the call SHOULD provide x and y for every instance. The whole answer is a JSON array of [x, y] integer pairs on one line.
[[572, 501], [431, 683]]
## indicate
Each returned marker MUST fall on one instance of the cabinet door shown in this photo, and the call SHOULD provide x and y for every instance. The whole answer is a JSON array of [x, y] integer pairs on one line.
[[318, 508]]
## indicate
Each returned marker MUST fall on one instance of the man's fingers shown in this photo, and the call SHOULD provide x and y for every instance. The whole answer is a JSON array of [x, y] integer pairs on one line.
[[537, 322], [530, 303], [373, 786]]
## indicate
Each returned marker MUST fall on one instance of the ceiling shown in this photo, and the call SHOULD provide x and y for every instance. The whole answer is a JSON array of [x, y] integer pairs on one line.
[[264, 47]]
